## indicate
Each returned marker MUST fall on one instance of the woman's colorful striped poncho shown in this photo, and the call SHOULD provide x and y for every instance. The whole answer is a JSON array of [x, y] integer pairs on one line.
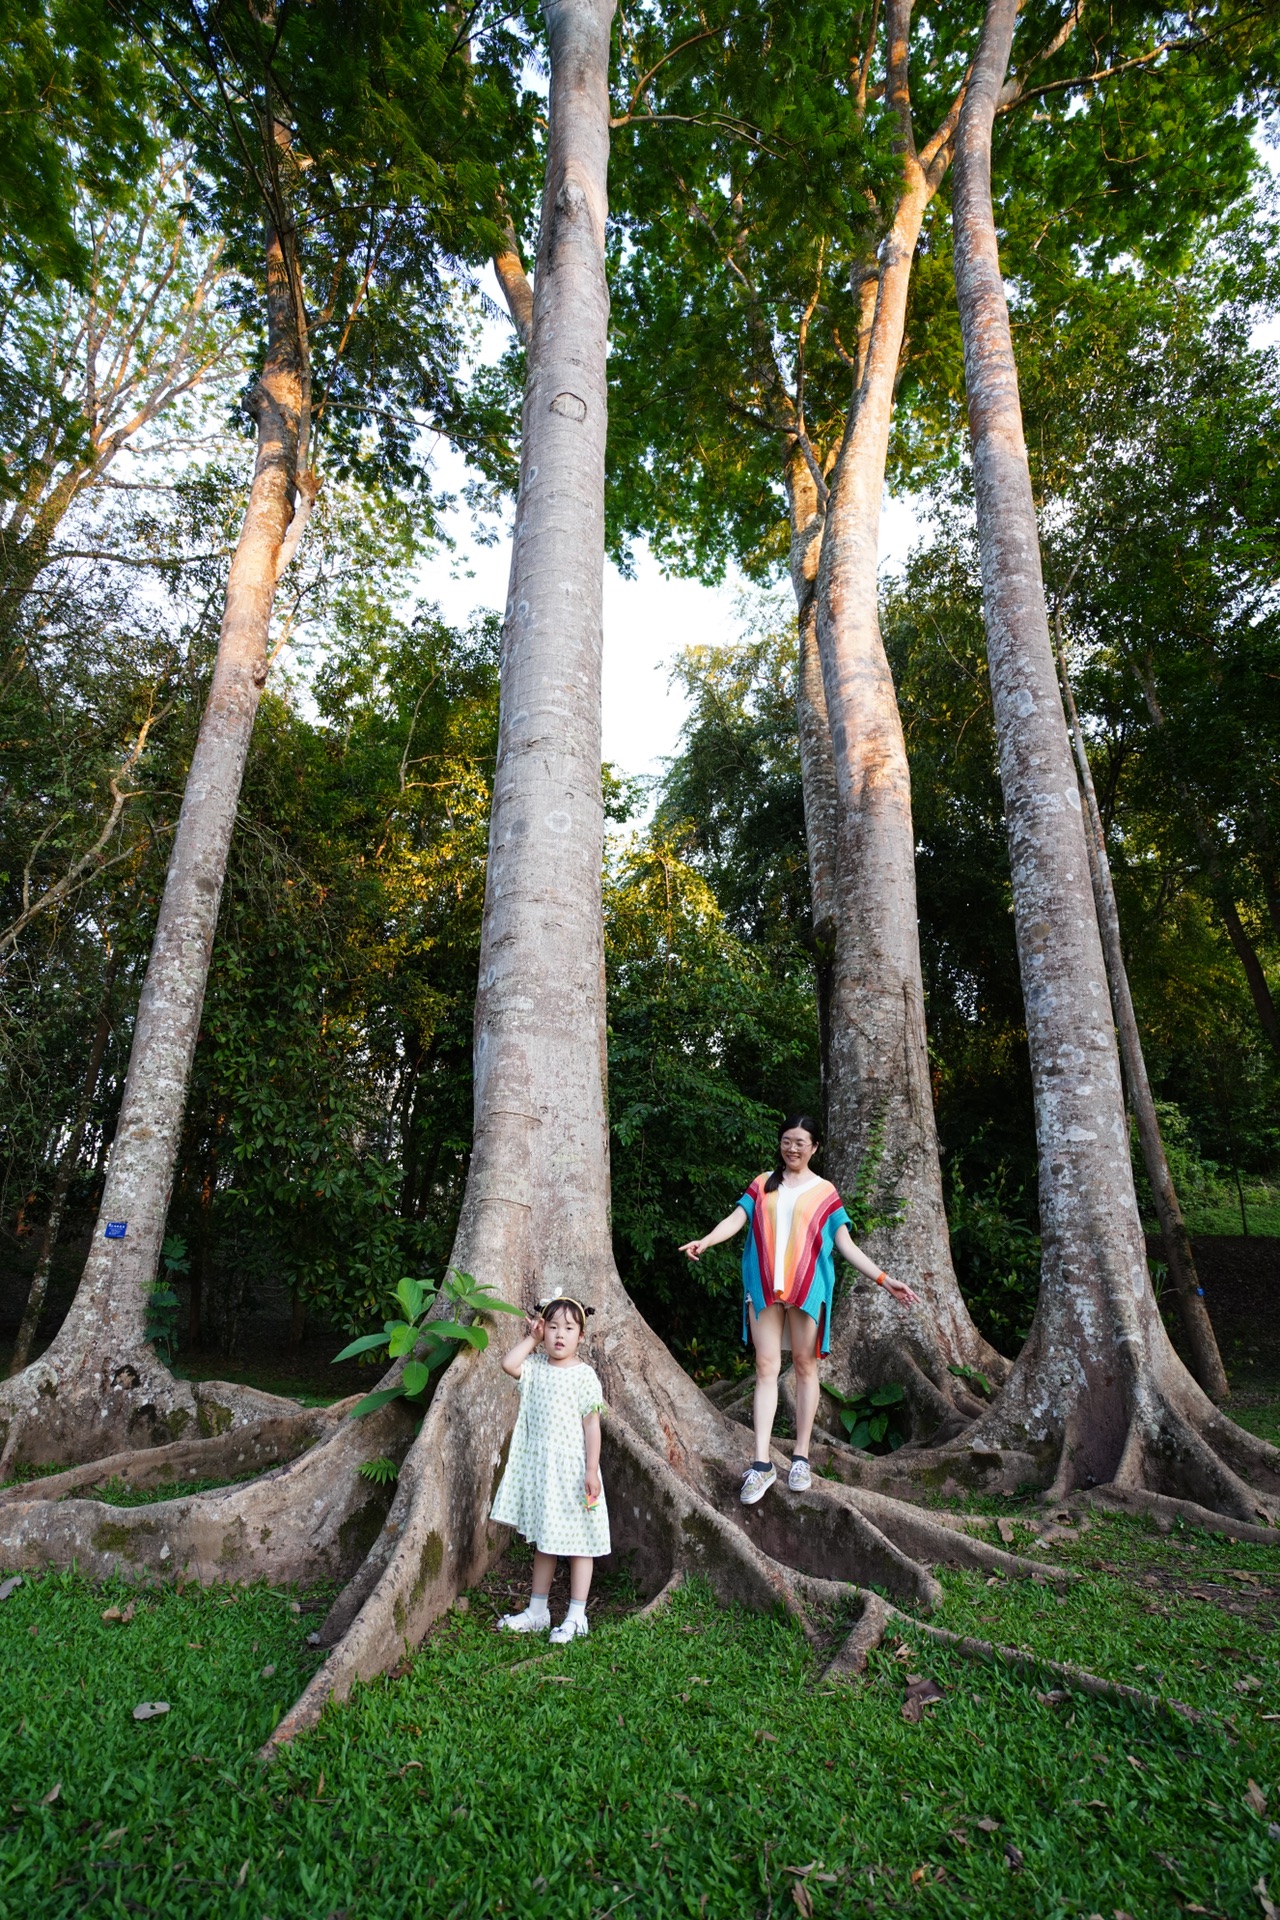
[[807, 1262]]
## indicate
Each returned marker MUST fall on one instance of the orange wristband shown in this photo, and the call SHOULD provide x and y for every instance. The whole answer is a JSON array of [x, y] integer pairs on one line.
[[881, 1277]]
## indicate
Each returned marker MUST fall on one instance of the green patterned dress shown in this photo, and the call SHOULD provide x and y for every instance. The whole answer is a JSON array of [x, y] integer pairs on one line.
[[542, 1494]]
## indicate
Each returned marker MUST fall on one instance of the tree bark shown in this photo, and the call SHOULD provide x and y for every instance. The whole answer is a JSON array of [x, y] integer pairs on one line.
[[67, 1164], [817, 771], [1206, 1360], [880, 1100], [101, 1386], [1098, 1390]]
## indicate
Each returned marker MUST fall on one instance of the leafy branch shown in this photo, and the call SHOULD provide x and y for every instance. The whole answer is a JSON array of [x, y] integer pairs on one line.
[[422, 1341]]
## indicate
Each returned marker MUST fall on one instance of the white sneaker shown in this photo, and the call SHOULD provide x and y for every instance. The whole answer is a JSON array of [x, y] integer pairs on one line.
[[569, 1629], [799, 1479], [756, 1484], [526, 1622]]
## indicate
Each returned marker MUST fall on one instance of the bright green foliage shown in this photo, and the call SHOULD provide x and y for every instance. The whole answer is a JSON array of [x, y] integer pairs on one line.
[[75, 95], [381, 1472], [403, 132], [747, 204], [429, 1337], [708, 1045], [671, 1767], [870, 1420]]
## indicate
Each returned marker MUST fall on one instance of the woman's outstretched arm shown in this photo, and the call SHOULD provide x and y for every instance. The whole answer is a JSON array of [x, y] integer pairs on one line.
[[905, 1296], [732, 1223]]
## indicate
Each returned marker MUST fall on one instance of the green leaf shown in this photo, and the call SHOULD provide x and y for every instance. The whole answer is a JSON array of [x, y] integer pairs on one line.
[[372, 1401], [878, 1426], [403, 1340], [469, 1336], [410, 1294], [861, 1435], [164, 1297], [415, 1377], [888, 1396], [382, 1471], [365, 1344], [896, 1440]]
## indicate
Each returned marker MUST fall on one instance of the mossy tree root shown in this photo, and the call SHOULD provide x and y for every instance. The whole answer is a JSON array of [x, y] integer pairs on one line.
[[1167, 1512], [314, 1519], [75, 1407], [232, 1454]]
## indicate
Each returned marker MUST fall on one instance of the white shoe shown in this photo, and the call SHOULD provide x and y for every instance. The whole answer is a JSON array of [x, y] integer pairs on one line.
[[569, 1629], [799, 1479], [756, 1484], [526, 1622]]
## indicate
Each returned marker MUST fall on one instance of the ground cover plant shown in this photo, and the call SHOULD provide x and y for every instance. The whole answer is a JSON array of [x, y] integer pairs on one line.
[[690, 1763]]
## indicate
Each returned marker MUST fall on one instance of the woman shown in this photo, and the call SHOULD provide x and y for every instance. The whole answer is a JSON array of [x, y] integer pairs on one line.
[[788, 1275]]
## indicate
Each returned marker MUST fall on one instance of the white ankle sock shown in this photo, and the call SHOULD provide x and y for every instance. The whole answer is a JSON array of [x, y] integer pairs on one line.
[[577, 1610], [540, 1603]]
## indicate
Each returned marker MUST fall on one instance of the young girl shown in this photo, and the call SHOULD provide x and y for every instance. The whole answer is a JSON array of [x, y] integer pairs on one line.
[[551, 1491]]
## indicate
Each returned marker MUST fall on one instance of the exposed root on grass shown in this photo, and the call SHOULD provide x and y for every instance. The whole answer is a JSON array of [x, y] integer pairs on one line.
[[1167, 1512], [1100, 1401], [868, 1632], [1072, 1678]]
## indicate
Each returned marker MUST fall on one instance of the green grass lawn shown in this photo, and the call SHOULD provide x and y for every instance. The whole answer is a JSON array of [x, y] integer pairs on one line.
[[684, 1766]]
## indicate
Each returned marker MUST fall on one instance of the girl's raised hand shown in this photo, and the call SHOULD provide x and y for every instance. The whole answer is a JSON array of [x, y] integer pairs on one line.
[[693, 1248], [534, 1326]]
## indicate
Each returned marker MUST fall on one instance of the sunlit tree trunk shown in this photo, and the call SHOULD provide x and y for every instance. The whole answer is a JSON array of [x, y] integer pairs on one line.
[[880, 1103], [1098, 1389], [1206, 1361], [110, 1386], [817, 771]]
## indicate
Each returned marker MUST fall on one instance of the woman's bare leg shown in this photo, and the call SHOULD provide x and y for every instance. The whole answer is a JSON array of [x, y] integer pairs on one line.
[[804, 1358], [766, 1337], [581, 1568]]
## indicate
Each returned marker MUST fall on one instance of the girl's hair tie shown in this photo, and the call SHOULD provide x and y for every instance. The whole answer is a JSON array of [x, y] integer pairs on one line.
[[546, 1308]]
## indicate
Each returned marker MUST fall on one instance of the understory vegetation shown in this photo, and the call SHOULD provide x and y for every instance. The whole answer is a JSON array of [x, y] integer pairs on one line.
[[688, 1764]]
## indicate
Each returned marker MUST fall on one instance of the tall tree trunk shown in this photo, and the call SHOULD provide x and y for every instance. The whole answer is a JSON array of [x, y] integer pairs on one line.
[[100, 1385], [880, 1101], [1098, 1388], [1206, 1361], [67, 1163], [817, 771]]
